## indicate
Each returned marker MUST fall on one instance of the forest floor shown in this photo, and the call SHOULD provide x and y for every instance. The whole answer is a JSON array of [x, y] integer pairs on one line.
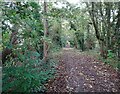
[[81, 72]]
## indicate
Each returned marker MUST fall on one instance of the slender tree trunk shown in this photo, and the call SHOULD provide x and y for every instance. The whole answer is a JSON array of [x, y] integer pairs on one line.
[[97, 32], [45, 30], [108, 14], [118, 31]]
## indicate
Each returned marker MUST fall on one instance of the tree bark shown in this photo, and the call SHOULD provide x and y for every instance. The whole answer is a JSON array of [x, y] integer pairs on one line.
[[118, 31], [45, 31], [108, 14], [97, 32]]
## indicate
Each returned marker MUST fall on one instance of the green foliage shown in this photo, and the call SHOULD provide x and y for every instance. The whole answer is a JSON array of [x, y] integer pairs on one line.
[[55, 33], [110, 54], [24, 70], [80, 40], [27, 73], [118, 66], [112, 59], [55, 48]]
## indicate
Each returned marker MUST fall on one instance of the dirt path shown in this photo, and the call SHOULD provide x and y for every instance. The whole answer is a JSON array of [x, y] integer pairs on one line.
[[78, 72]]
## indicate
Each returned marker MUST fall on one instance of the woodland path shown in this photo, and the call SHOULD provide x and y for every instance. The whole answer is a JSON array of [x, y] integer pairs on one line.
[[79, 72]]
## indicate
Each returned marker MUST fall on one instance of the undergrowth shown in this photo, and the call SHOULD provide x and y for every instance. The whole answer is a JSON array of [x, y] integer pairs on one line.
[[111, 59], [27, 73]]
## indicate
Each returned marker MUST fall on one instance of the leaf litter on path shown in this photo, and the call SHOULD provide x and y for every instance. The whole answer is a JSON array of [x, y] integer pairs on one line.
[[78, 72]]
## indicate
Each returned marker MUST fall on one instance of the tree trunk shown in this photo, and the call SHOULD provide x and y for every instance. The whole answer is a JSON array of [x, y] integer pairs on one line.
[[108, 28], [97, 32], [118, 31], [45, 31]]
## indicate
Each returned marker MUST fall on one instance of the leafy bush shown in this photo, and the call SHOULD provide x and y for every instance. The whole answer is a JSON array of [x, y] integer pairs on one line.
[[110, 54], [29, 75], [23, 69], [111, 59]]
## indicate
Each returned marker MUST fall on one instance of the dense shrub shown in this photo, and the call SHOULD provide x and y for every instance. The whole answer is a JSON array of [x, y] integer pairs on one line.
[[27, 73], [22, 30]]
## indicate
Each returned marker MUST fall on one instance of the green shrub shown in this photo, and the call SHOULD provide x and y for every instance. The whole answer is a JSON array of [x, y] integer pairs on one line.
[[118, 65], [110, 54], [23, 35], [29, 75], [111, 59]]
